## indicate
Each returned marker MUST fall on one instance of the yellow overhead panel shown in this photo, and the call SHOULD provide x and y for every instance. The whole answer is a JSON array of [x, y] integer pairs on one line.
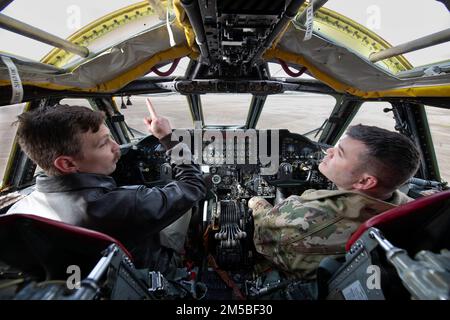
[[144, 68], [355, 36], [45, 85], [98, 28], [272, 54], [125, 78], [428, 91], [183, 20], [277, 39]]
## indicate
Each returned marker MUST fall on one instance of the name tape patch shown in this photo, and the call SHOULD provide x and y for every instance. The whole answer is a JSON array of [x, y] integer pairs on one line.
[[309, 21], [16, 83]]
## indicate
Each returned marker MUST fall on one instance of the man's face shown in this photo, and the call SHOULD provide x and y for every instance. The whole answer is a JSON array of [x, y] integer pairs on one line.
[[343, 163], [100, 152]]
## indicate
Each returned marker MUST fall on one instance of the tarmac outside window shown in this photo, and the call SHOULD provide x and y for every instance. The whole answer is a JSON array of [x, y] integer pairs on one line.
[[225, 109], [172, 106], [372, 114], [8, 114], [297, 112], [439, 122]]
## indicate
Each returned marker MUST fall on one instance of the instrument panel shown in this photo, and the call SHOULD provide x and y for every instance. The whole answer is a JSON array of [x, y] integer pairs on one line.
[[237, 163]]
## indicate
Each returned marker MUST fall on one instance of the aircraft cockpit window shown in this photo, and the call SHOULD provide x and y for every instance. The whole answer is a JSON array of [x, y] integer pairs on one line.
[[76, 102], [173, 106], [374, 114], [225, 109], [260, 92], [8, 114], [382, 18], [439, 122], [304, 113], [65, 18]]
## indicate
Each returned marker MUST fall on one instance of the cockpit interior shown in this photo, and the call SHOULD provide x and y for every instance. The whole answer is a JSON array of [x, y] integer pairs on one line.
[[225, 48]]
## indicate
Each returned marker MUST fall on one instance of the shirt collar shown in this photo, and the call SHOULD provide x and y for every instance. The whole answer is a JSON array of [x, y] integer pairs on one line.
[[74, 181]]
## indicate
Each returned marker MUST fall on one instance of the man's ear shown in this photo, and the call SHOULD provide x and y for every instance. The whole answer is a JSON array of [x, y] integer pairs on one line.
[[366, 182], [65, 164]]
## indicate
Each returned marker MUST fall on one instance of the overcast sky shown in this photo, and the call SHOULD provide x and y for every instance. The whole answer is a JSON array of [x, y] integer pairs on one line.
[[397, 21]]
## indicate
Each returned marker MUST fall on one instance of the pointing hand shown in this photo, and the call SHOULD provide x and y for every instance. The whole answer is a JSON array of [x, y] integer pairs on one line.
[[157, 125]]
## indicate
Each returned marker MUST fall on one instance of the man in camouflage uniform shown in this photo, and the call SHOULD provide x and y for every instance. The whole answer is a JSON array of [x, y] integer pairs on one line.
[[367, 166]]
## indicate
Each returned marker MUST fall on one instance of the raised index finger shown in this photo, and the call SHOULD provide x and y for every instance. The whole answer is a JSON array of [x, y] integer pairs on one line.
[[151, 109]]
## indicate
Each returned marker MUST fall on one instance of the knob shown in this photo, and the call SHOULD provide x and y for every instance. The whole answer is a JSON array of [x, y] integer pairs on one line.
[[216, 179], [286, 168]]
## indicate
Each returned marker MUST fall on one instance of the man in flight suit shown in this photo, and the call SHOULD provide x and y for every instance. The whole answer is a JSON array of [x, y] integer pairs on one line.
[[76, 151], [367, 166]]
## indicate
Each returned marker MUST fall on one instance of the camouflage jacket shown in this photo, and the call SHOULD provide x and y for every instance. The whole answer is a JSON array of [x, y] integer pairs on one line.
[[299, 232]]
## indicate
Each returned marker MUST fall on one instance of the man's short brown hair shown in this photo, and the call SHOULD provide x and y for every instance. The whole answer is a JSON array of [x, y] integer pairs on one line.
[[49, 132], [392, 158]]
